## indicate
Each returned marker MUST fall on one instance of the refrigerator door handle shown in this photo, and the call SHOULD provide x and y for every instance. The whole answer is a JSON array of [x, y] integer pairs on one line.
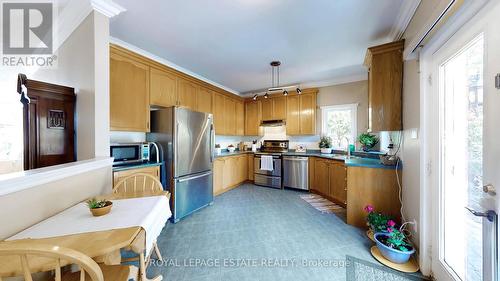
[[194, 177], [212, 141]]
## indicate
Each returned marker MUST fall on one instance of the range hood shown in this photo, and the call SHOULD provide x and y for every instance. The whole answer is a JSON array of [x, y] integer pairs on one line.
[[273, 123]]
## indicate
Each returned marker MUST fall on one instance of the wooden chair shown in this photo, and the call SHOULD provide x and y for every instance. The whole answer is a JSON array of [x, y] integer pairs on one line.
[[139, 185], [46, 257]]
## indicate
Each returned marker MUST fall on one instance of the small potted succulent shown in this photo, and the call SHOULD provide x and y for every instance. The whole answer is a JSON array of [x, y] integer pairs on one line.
[[367, 141], [325, 143], [99, 207], [393, 244]]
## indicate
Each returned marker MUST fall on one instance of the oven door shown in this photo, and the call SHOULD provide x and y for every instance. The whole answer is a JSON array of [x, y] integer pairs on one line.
[[276, 172], [126, 153]]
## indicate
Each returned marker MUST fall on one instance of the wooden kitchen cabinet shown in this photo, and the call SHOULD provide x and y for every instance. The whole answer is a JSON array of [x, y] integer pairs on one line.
[[252, 118], [301, 114], [372, 186], [203, 100], [274, 108], [229, 172], [129, 93], [338, 182], [218, 112], [385, 86], [250, 167], [119, 175], [240, 118], [230, 116], [279, 108], [163, 88], [329, 179], [218, 174], [307, 117], [186, 93]]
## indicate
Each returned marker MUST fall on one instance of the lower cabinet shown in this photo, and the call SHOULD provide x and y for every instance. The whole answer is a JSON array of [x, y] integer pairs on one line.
[[119, 175], [329, 179], [229, 172]]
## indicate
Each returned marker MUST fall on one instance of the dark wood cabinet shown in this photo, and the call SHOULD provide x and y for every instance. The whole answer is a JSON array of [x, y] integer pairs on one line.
[[48, 120]]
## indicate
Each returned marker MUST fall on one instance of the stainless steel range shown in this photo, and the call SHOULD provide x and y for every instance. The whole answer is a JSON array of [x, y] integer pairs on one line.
[[270, 178]]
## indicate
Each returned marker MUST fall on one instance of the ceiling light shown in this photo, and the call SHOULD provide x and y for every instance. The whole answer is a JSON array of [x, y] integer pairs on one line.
[[285, 93], [255, 97], [299, 91]]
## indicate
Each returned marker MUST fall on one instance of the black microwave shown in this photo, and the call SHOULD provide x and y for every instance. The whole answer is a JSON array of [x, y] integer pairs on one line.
[[127, 153]]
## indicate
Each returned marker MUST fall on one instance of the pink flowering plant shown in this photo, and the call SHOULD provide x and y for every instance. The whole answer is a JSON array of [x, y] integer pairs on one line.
[[396, 238], [376, 221]]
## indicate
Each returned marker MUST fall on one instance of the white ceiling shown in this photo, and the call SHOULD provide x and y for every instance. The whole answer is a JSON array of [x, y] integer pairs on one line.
[[231, 42]]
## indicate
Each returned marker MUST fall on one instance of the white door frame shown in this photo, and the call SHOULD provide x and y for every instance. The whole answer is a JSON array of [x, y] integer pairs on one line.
[[429, 167]]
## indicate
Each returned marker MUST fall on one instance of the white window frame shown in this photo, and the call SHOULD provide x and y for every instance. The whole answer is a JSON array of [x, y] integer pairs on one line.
[[354, 116]]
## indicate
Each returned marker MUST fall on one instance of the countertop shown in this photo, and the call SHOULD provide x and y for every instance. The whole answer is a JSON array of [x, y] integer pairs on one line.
[[135, 166], [359, 159]]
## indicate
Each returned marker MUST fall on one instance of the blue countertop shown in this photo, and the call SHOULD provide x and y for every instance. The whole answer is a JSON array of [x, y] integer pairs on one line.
[[135, 166], [359, 159]]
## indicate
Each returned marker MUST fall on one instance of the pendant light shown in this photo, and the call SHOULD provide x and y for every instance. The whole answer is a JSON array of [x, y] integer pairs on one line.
[[275, 82]]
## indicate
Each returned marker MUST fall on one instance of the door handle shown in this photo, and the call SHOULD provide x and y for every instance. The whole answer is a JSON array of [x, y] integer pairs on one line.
[[490, 214], [490, 189]]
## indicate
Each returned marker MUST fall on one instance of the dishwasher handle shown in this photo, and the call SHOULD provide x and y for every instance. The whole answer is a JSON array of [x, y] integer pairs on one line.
[[288, 158]]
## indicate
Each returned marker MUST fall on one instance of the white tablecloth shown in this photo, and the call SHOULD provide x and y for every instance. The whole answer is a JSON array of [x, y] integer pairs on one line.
[[150, 213]]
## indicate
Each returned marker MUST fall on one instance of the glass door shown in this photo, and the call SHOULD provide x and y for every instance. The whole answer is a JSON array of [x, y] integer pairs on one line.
[[465, 238]]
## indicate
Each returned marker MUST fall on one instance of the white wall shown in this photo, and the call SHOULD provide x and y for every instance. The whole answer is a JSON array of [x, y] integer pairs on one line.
[[83, 63]]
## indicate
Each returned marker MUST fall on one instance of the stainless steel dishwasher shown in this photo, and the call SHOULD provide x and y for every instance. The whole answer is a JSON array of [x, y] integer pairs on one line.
[[296, 172]]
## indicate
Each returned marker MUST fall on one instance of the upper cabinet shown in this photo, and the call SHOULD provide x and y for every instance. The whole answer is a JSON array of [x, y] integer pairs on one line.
[[137, 83], [274, 108], [385, 85], [252, 118], [187, 93], [301, 113], [163, 87], [129, 93], [203, 100]]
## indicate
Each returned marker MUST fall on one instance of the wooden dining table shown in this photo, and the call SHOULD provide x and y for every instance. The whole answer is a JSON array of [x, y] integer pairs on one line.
[[102, 246]]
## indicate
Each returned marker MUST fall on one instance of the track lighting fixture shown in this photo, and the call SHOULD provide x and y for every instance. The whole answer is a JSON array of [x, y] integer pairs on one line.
[[255, 97], [275, 82], [299, 91], [266, 95], [285, 93]]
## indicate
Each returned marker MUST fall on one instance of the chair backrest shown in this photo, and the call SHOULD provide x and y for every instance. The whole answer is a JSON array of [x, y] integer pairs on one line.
[[138, 183], [43, 257]]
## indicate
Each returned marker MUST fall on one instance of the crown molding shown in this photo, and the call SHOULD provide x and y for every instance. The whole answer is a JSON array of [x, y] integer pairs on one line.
[[107, 7], [76, 12], [168, 63], [406, 12]]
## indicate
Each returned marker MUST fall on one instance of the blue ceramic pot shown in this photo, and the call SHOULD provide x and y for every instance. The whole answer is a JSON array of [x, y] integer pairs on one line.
[[396, 256]]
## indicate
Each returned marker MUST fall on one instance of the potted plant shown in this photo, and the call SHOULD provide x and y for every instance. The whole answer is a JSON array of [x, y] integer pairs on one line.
[[377, 222], [367, 141], [325, 143], [99, 207], [393, 244]]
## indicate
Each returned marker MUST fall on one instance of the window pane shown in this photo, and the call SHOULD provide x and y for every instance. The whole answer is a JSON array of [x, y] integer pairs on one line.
[[339, 127], [11, 132]]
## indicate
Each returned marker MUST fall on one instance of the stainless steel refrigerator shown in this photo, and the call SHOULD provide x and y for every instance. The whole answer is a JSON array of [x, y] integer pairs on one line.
[[186, 140]]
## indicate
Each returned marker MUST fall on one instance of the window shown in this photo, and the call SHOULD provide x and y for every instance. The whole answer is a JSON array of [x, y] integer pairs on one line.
[[340, 123], [11, 130]]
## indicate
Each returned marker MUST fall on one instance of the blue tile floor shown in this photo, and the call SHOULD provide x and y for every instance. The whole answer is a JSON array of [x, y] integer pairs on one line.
[[259, 233]]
